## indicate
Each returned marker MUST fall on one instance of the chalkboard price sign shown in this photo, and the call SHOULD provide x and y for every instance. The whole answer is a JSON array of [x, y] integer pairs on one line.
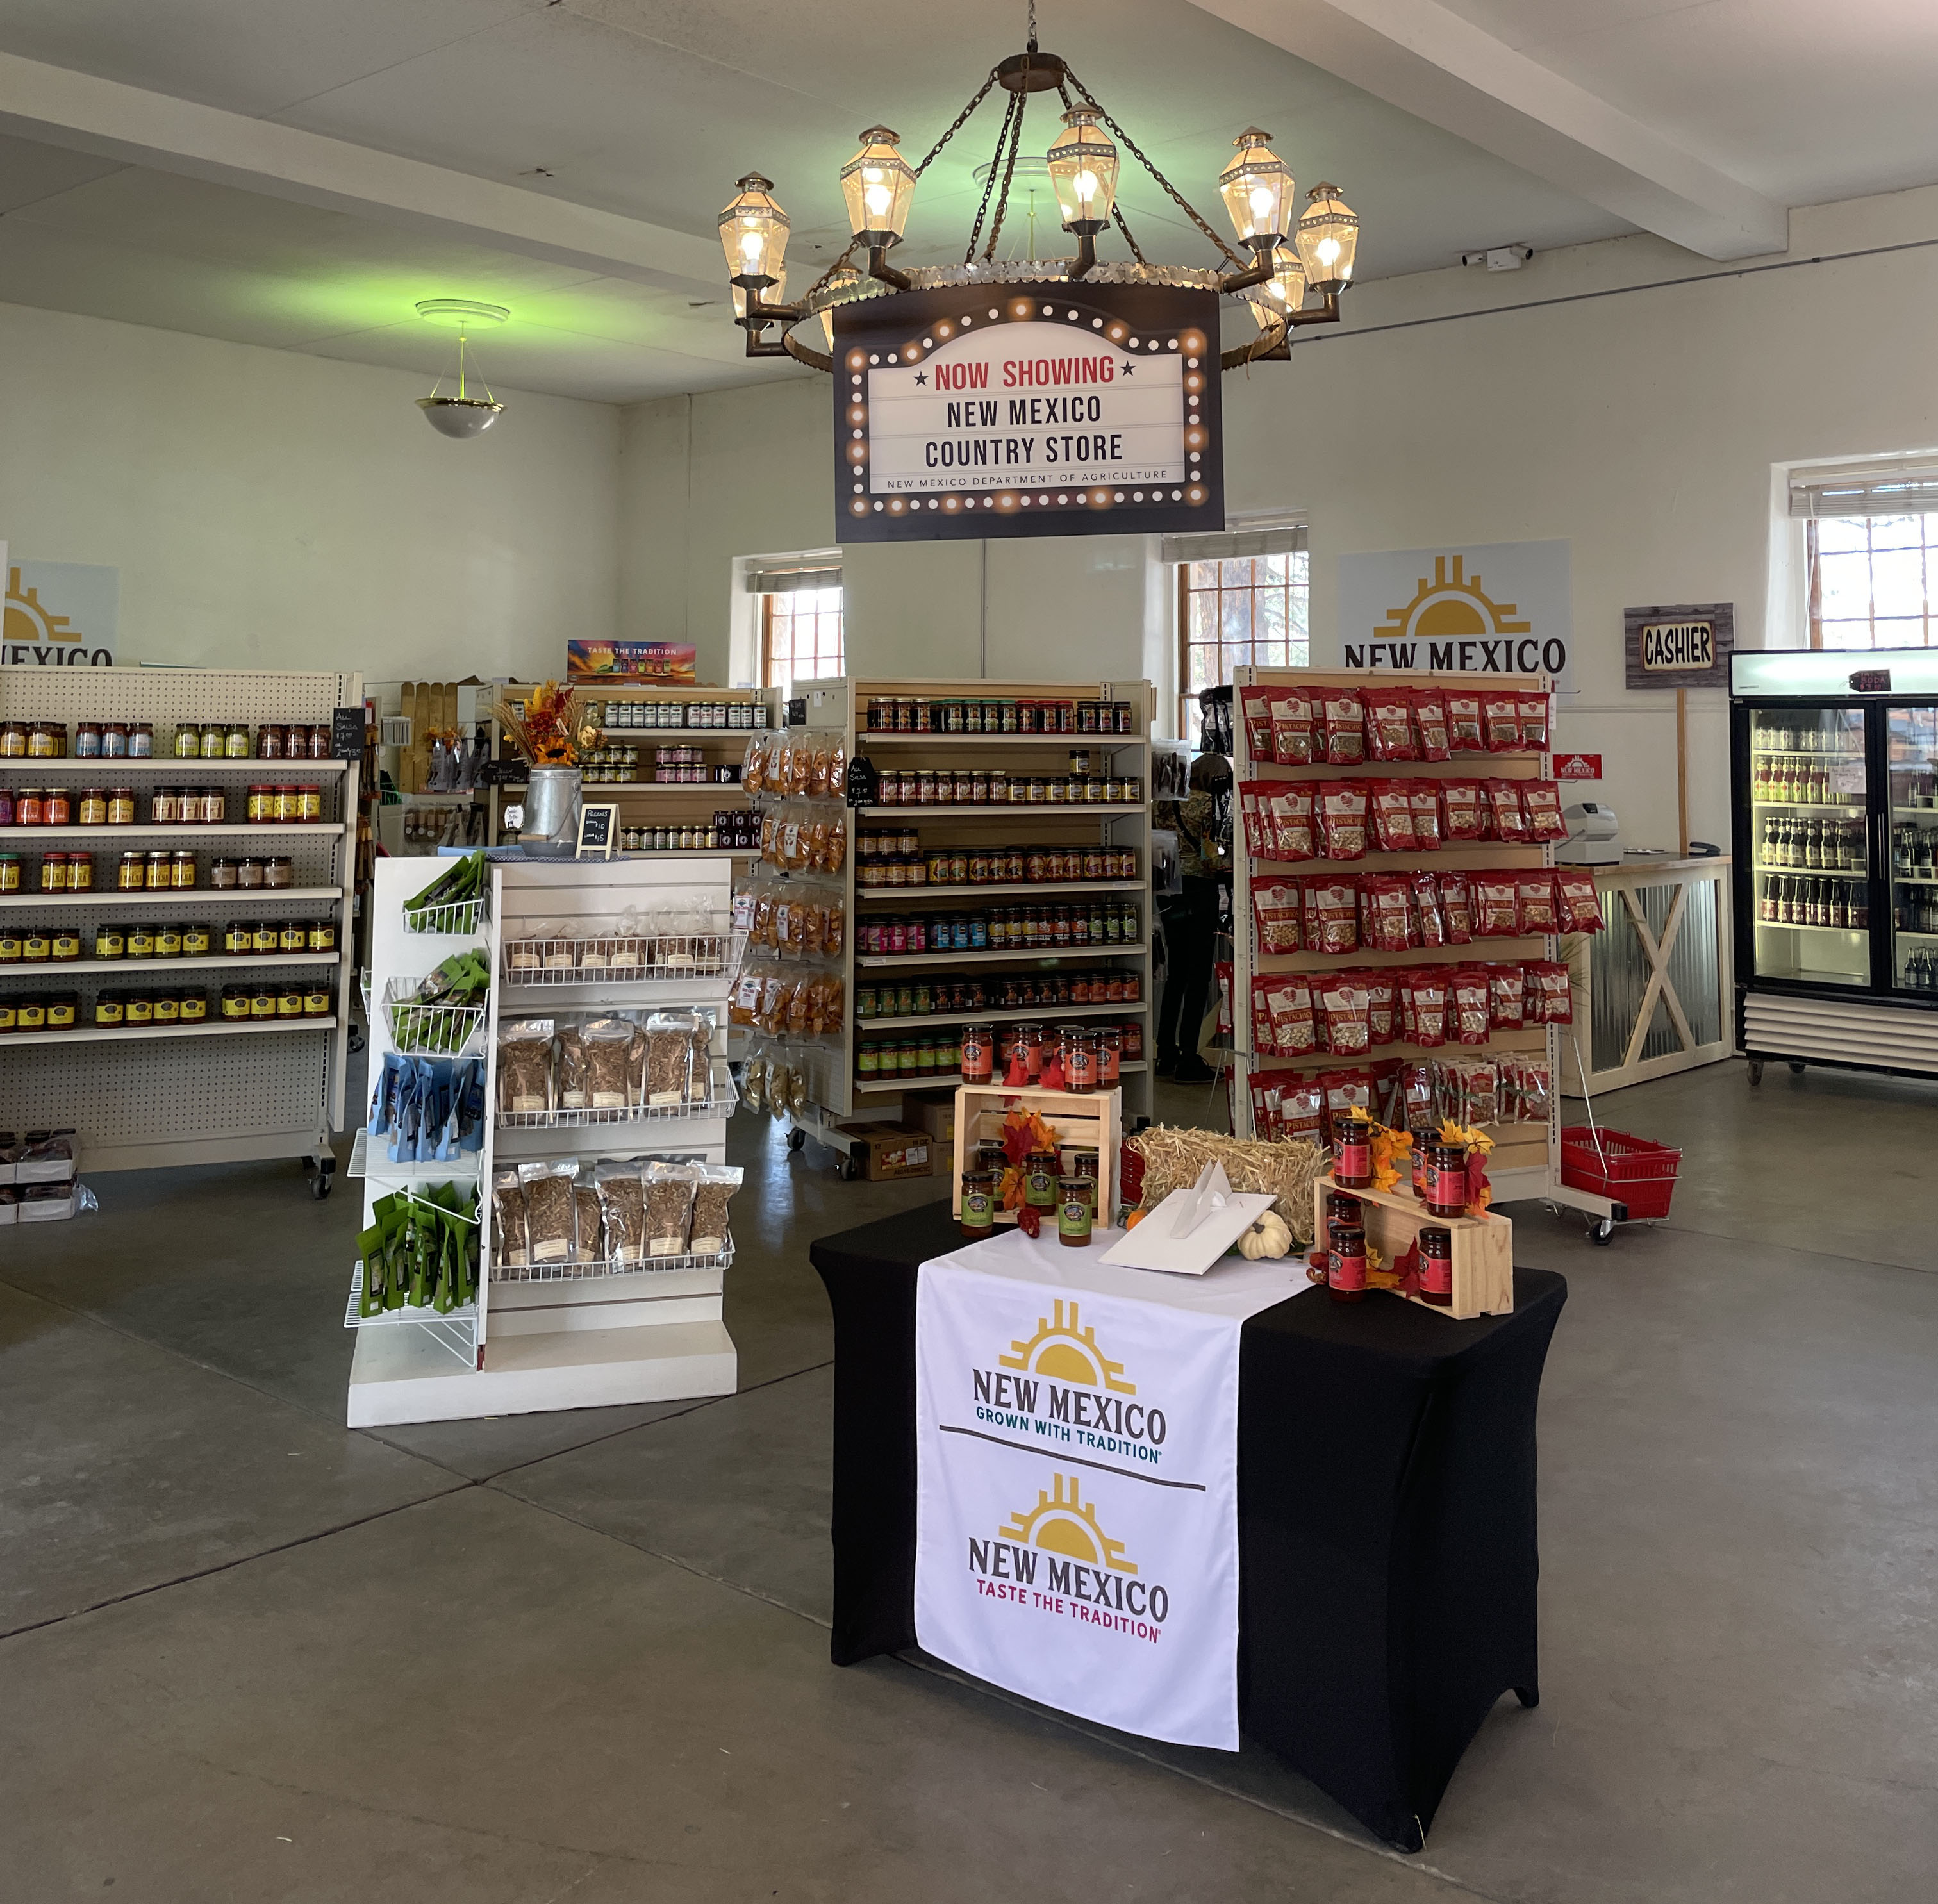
[[598, 832], [346, 734]]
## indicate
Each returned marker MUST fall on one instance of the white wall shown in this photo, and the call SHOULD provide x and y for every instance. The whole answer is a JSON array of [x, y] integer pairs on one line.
[[1643, 427], [273, 510]]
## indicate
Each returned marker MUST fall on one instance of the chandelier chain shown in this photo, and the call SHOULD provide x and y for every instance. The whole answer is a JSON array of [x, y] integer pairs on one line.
[[1009, 172], [962, 120], [1009, 112], [1131, 145], [1117, 218]]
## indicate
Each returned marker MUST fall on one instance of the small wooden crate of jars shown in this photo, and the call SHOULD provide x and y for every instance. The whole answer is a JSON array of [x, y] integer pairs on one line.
[[1483, 1246], [1082, 1120]]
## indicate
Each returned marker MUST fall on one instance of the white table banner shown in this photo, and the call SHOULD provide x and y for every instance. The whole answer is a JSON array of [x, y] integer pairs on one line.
[[1077, 1504]]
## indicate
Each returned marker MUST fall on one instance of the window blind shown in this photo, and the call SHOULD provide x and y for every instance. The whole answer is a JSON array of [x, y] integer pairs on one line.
[[1233, 545], [1903, 491], [793, 579]]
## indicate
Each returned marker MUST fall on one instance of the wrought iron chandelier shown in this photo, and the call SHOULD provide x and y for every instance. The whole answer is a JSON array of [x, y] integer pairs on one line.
[[1289, 261]]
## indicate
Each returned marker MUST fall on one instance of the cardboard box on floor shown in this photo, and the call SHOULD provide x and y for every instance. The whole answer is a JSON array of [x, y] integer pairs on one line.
[[885, 1151], [937, 1115]]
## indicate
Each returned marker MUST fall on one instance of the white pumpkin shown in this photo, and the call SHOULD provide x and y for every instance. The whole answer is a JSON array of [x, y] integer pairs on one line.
[[1270, 1237]]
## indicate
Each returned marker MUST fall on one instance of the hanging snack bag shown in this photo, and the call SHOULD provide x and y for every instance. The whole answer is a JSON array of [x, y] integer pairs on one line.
[[1291, 825], [1255, 704], [1532, 705], [1429, 992], [1342, 722], [1429, 723], [1295, 1032], [1276, 905], [1464, 733], [1496, 905], [1539, 913], [1456, 905], [1254, 813], [1551, 997], [1465, 810], [1579, 904], [669, 1191], [1479, 1082], [1389, 917], [1340, 806], [668, 1074], [508, 1220], [606, 1047], [1263, 1041], [1500, 720], [1264, 1108], [1382, 1005], [1419, 1099], [1347, 1012], [1537, 1090], [1332, 915], [1507, 818], [1542, 799], [1292, 740], [620, 1199], [1429, 923], [1301, 1110], [1390, 735], [1507, 997], [1346, 1092], [1423, 795], [1468, 1019], [1391, 804]]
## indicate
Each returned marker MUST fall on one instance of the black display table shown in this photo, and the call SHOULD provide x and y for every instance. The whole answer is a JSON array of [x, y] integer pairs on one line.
[[1386, 1543]]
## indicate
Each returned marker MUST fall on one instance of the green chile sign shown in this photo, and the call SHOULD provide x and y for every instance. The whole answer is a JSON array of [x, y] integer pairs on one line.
[[1056, 410]]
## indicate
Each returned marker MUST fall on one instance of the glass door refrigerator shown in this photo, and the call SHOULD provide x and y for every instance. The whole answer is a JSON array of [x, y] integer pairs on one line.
[[1834, 759]]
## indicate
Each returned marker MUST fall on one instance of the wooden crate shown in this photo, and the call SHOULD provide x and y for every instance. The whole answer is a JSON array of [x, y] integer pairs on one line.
[[1483, 1246], [1091, 1118]]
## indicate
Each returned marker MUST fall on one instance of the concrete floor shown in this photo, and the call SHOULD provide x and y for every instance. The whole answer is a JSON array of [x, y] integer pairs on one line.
[[248, 1655]]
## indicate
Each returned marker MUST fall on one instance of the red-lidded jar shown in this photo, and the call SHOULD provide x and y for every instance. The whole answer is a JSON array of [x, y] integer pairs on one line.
[[1436, 1267], [1445, 1191], [1346, 1265], [979, 1053], [1109, 1056], [1353, 1169]]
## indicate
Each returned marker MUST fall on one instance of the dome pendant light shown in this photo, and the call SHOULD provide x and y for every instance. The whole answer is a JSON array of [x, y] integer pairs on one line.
[[464, 415]]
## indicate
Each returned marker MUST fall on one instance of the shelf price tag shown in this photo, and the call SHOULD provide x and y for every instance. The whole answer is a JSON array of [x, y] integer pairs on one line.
[[598, 827]]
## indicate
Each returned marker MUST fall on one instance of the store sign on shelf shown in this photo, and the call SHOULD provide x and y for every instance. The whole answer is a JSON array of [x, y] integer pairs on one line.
[[58, 614], [1578, 766], [980, 413], [1490, 609]]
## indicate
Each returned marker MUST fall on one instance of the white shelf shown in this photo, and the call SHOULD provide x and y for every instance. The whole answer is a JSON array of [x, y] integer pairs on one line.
[[1851, 809], [881, 737], [1842, 931], [1913, 879], [212, 1028], [995, 1014], [1799, 753], [73, 766], [1814, 872], [903, 962], [1915, 813], [997, 892], [1015, 809], [192, 896], [885, 1087], [216, 962], [656, 735], [106, 835], [1931, 936], [361, 1163], [462, 1315]]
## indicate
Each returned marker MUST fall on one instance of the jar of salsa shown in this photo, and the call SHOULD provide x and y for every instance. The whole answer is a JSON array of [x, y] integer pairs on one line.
[[164, 806], [157, 876], [979, 1053], [188, 744], [10, 872], [110, 942], [132, 875], [141, 942], [1346, 1265], [30, 807], [13, 740], [1079, 1061], [317, 1001], [80, 872], [239, 936], [108, 1008], [139, 1006], [121, 806], [1075, 1211], [262, 1000], [290, 999], [168, 940], [54, 872], [1353, 1169], [30, 1013], [6, 807], [142, 741], [979, 1203], [1436, 1266], [1042, 1179], [265, 936], [235, 1001], [87, 740], [168, 1007], [1446, 1185], [65, 942], [1109, 1056], [323, 935], [280, 872], [93, 811], [194, 1007]]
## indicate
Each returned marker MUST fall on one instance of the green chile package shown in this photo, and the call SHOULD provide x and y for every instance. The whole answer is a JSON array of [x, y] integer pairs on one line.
[[420, 1252]]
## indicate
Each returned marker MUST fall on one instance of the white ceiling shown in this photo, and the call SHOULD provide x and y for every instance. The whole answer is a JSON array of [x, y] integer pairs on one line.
[[647, 110]]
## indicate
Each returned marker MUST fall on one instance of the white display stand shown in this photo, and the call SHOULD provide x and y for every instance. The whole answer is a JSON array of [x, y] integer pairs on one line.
[[213, 1091], [588, 1339]]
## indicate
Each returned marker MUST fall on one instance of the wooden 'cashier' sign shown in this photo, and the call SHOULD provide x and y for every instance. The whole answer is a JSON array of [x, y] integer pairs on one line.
[[1683, 646]]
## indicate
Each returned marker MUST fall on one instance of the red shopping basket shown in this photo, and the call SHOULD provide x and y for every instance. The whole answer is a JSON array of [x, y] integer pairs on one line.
[[1631, 1171]]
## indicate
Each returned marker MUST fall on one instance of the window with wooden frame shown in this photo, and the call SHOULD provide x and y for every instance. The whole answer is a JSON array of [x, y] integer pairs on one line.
[[1871, 544], [801, 634], [1238, 611]]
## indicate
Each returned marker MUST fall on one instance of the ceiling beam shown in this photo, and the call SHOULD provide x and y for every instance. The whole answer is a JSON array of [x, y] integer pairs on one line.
[[1419, 56], [80, 113]]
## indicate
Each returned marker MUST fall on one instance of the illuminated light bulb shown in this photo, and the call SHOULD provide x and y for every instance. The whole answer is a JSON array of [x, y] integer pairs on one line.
[[878, 185], [1085, 183], [1328, 239], [1257, 188], [1083, 165], [878, 198], [1263, 199], [754, 231]]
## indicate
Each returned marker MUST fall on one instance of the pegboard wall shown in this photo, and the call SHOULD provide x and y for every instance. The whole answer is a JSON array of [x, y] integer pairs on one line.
[[211, 1095]]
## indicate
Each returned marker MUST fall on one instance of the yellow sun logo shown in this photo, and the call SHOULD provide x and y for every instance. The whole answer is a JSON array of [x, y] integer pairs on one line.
[[26, 620], [1063, 1350], [1061, 1521], [1450, 608]]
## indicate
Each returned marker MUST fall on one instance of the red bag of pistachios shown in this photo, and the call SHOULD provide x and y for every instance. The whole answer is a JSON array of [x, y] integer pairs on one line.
[[1256, 704], [1465, 732], [1579, 904], [1382, 1005], [1277, 907], [1430, 923], [1469, 1020], [1424, 797], [1539, 913], [1391, 802], [1348, 1013], [1342, 721], [1341, 811], [1291, 822], [1532, 705], [1465, 810], [1507, 818], [1551, 1000], [1429, 722], [1294, 1028], [1391, 913], [1292, 724], [1542, 799], [1456, 905], [1390, 735], [1496, 905], [1332, 915], [1500, 720], [1507, 997], [1430, 991]]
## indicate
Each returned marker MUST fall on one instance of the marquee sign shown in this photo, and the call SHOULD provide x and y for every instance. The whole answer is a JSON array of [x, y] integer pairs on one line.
[[1060, 409]]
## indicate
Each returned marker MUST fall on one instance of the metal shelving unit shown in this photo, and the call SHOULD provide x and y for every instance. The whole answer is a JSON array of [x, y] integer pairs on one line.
[[573, 1335], [841, 706], [211, 1090]]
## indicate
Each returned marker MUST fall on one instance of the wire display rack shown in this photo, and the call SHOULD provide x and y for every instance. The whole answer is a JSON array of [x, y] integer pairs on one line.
[[461, 917], [720, 1103], [455, 1329], [577, 1272], [421, 1030], [623, 958]]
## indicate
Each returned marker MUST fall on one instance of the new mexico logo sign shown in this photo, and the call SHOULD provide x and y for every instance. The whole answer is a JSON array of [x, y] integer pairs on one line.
[[1052, 1396]]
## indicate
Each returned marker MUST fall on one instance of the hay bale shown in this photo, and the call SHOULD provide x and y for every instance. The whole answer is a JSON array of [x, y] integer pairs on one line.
[[1285, 1171]]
